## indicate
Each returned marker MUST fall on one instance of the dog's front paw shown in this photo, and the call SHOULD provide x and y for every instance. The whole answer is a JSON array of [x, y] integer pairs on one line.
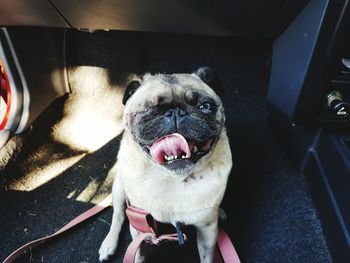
[[108, 247]]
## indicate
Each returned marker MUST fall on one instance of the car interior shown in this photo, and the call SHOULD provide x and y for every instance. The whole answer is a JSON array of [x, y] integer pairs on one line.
[[285, 69]]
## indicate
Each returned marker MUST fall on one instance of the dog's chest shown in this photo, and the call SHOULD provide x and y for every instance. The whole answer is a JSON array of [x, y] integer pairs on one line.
[[169, 200]]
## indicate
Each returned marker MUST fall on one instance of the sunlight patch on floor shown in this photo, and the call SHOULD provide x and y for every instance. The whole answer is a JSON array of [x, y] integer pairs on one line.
[[94, 192], [91, 117], [89, 191], [43, 175], [93, 111]]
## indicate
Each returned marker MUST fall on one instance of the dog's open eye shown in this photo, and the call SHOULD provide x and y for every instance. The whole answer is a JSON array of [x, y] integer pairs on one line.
[[207, 107]]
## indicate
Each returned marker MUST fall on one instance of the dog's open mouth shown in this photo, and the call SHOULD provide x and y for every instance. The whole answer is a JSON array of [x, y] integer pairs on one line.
[[174, 148]]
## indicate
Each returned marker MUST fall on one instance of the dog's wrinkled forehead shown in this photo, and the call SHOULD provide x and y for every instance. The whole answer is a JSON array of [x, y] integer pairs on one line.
[[166, 88]]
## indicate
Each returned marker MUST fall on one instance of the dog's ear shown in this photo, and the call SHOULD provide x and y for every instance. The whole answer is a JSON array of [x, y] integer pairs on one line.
[[130, 89], [210, 77]]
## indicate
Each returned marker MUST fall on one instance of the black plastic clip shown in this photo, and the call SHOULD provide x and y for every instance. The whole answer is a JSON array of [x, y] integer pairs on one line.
[[179, 233]]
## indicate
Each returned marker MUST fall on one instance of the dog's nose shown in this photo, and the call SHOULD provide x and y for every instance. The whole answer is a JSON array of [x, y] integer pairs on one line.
[[175, 113], [174, 118], [182, 112]]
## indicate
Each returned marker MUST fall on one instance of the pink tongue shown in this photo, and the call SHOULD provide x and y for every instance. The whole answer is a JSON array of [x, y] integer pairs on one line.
[[171, 145]]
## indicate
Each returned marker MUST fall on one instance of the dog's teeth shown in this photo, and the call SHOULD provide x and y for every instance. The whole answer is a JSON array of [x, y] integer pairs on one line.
[[195, 149], [169, 158]]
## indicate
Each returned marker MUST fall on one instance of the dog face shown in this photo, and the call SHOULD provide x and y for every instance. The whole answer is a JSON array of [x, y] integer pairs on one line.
[[175, 120]]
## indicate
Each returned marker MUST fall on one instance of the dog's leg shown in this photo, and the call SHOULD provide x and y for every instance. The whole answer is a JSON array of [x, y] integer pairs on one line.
[[110, 242], [206, 240]]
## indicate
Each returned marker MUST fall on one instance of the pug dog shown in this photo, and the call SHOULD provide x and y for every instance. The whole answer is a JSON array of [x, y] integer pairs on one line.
[[174, 158]]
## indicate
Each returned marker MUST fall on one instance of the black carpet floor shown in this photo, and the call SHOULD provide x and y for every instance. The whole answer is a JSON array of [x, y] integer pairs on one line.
[[271, 215]]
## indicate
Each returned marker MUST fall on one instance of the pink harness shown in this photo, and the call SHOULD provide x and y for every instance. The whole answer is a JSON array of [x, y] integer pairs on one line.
[[141, 221], [148, 228]]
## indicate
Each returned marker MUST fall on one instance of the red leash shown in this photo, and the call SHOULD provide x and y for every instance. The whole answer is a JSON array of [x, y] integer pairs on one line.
[[84, 216], [143, 222], [226, 248]]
